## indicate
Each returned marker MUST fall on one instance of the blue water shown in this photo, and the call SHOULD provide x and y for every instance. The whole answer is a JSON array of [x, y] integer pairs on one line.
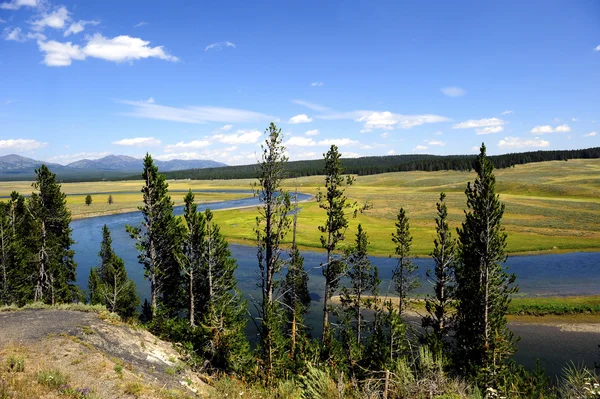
[[540, 275]]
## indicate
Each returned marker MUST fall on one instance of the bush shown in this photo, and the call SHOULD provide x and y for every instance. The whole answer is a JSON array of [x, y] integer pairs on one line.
[[52, 378]]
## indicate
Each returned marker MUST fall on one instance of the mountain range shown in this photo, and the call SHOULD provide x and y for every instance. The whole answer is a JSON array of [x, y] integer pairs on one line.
[[13, 167]]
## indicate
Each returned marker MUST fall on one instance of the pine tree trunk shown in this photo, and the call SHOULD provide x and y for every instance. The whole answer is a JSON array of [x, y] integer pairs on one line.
[[192, 299]]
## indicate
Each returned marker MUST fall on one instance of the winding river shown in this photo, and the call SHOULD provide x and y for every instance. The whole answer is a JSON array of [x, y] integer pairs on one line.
[[543, 275]]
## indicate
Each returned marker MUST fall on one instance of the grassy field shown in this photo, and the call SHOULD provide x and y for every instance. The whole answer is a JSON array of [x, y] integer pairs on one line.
[[550, 206]]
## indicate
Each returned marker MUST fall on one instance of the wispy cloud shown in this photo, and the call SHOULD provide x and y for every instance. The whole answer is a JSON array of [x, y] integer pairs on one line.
[[597, 48], [312, 106], [438, 143], [476, 123], [545, 129], [317, 84], [79, 26], [16, 4], [302, 118], [192, 145], [517, 143], [138, 142], [140, 24], [193, 114], [300, 141], [239, 137], [489, 130], [388, 120], [591, 134], [420, 148], [56, 19], [314, 132], [507, 112], [219, 46], [117, 49], [338, 142], [453, 91], [14, 34], [20, 145]]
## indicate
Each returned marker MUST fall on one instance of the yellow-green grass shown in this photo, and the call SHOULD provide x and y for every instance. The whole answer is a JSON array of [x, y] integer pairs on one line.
[[550, 206]]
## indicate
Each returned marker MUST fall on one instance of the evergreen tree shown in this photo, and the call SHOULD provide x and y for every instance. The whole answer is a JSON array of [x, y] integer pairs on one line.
[[108, 284], [335, 203], [7, 238], [55, 276], [223, 314], [110, 200], [88, 200], [404, 277], [483, 286], [193, 252], [440, 306], [296, 297], [364, 279], [159, 242], [272, 225]]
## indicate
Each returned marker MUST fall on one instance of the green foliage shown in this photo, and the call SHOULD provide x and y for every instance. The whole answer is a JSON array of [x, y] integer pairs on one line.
[[483, 287], [335, 203], [272, 225], [109, 285], [439, 306], [88, 200], [110, 200], [316, 384], [15, 364], [51, 378], [404, 277], [158, 241]]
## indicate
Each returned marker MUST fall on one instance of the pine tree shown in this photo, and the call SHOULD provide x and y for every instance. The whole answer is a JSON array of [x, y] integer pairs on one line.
[[483, 286], [110, 199], [55, 276], [108, 284], [364, 279], [404, 277], [223, 311], [440, 306], [335, 203], [296, 297], [159, 242], [7, 238], [88, 200], [272, 225], [193, 252]]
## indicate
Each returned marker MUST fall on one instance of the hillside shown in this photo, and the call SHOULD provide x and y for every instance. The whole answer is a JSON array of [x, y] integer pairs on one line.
[[68, 353]]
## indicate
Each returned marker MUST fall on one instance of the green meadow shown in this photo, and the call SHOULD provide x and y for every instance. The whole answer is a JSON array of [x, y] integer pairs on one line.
[[550, 206]]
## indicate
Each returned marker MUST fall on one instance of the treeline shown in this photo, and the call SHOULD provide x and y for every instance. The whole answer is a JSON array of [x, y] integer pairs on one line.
[[391, 163], [366, 347]]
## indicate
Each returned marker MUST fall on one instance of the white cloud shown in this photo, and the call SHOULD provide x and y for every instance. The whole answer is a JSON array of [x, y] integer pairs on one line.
[[549, 129], [420, 148], [140, 24], [574, 119], [195, 114], [436, 142], [56, 19], [79, 26], [489, 130], [317, 84], [304, 155], [384, 135], [2, 21], [591, 134], [219, 46], [475, 148], [517, 143], [68, 158], [366, 147], [438, 133], [597, 48], [563, 128], [20, 145], [314, 132], [391, 152], [117, 49], [302, 118], [311, 106], [475, 123], [349, 155], [507, 112], [192, 145], [138, 142], [239, 137], [453, 91], [338, 142], [299, 141], [16, 4], [60, 54], [388, 120], [225, 128], [14, 34]]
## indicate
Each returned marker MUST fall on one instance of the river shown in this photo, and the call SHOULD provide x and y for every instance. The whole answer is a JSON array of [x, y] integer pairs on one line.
[[543, 275]]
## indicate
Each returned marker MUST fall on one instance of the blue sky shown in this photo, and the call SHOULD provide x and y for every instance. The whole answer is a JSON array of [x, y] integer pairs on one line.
[[202, 80]]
